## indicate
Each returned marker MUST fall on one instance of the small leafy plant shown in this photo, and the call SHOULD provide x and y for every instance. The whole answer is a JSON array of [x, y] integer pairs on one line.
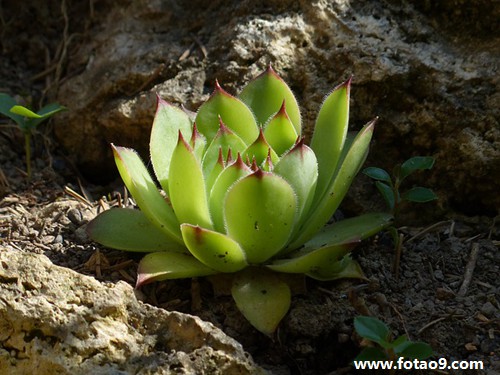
[[377, 332], [389, 187], [244, 196], [26, 120]]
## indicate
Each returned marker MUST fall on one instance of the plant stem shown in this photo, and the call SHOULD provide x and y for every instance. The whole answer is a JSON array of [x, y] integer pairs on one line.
[[27, 149]]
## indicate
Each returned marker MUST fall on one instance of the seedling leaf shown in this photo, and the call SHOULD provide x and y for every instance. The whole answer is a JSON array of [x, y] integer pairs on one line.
[[378, 174], [372, 329], [419, 195], [414, 164], [387, 193]]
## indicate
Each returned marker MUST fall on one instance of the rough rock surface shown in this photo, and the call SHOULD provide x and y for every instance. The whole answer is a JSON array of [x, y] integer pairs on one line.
[[54, 320]]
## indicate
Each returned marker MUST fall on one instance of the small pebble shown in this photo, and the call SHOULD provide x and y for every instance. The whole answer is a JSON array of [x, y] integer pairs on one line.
[[444, 294], [75, 216], [438, 274], [58, 239], [489, 309], [81, 236]]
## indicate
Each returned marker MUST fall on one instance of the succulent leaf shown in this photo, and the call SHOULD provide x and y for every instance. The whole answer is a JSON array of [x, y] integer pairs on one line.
[[262, 298], [198, 143], [187, 186], [166, 265], [259, 212], [130, 230], [215, 172], [329, 135], [359, 227], [314, 260], [235, 114], [259, 150], [280, 132], [326, 207], [214, 249], [265, 95], [300, 169], [164, 135], [142, 187], [225, 140], [346, 268], [226, 179]]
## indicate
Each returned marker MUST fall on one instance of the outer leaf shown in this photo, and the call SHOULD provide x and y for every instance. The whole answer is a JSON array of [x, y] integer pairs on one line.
[[300, 169], [419, 195], [346, 268], [372, 329], [233, 112], [280, 132], [226, 179], [312, 261], [259, 213], [262, 298], [128, 229], [414, 164], [265, 95], [225, 140], [378, 174], [326, 207], [359, 227], [329, 135], [187, 186], [387, 193], [418, 350], [164, 136], [138, 181], [169, 265], [214, 249], [6, 103]]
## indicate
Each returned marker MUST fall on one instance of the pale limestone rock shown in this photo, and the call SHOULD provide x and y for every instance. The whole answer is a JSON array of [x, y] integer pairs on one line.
[[54, 320]]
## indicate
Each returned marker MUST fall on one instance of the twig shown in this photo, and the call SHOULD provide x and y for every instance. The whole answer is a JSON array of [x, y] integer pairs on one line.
[[428, 325], [77, 196], [428, 229], [469, 269], [397, 258]]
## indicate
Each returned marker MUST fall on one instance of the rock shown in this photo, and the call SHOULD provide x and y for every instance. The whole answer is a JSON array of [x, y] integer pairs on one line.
[[54, 320], [427, 69]]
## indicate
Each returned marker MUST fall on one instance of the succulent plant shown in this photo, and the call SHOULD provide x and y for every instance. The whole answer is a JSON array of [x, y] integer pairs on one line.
[[242, 194]]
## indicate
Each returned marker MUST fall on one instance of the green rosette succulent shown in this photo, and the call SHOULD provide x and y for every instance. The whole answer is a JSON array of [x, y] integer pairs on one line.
[[242, 194]]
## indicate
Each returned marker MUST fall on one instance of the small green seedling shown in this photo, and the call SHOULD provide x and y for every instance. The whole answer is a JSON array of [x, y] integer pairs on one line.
[[27, 120], [377, 332], [389, 187]]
